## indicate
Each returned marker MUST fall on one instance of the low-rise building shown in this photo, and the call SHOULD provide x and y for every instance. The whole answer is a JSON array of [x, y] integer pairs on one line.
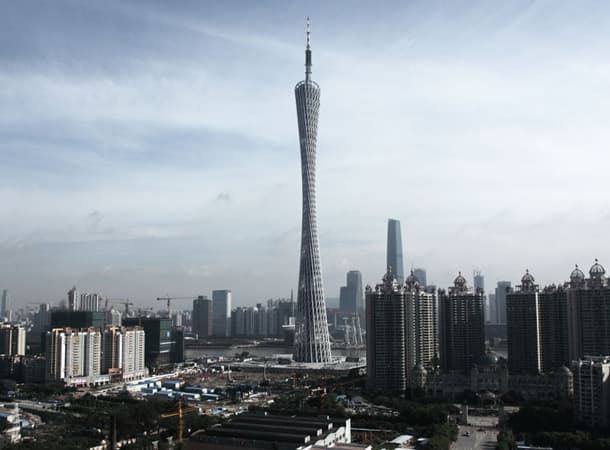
[[269, 432]]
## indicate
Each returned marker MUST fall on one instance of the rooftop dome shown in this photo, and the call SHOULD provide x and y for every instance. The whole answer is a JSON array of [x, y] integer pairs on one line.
[[527, 279], [459, 281], [389, 280], [577, 274], [597, 270], [411, 280]]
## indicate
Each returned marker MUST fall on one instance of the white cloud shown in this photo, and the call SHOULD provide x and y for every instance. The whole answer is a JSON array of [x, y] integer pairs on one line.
[[491, 149]]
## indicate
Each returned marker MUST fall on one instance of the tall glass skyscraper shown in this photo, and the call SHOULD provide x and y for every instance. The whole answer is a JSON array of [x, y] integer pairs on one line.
[[394, 254], [312, 342], [351, 299], [221, 313]]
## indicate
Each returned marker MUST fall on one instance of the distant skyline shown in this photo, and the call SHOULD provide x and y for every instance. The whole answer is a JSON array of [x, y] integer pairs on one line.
[[151, 148]]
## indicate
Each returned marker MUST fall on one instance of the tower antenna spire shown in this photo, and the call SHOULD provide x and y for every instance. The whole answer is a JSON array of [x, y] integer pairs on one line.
[[308, 54]]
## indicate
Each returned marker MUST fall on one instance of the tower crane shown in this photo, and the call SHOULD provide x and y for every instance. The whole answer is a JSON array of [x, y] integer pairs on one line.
[[180, 414], [120, 301], [168, 299]]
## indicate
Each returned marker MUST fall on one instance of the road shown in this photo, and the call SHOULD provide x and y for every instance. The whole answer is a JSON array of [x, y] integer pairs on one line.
[[471, 438]]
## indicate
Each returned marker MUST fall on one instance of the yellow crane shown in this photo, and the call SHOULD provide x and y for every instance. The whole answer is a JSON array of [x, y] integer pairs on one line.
[[180, 414]]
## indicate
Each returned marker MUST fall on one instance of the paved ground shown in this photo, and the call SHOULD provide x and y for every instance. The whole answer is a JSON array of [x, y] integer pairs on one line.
[[481, 433]]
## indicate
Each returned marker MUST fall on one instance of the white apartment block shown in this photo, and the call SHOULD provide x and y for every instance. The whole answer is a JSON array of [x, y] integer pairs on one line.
[[592, 391], [74, 356], [124, 353]]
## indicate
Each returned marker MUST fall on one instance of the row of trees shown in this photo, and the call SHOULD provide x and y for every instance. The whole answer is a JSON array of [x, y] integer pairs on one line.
[[551, 424]]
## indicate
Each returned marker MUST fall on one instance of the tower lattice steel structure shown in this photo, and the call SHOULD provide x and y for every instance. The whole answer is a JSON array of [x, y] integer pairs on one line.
[[312, 342]]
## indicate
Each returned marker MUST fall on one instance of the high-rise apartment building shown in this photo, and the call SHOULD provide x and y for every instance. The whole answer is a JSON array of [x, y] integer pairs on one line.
[[73, 356], [73, 299], [502, 290], [312, 341], [202, 316], [250, 321], [478, 282], [386, 337], [90, 302], [238, 321], [12, 340], [123, 353], [221, 312], [461, 327], [394, 258], [421, 322], [523, 314], [351, 298], [113, 317], [589, 314], [553, 306], [592, 391]]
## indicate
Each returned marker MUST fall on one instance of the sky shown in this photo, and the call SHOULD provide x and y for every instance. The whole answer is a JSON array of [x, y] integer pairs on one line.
[[151, 148]]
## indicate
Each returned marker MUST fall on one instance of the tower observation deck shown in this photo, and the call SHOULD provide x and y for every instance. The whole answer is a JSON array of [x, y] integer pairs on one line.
[[312, 342]]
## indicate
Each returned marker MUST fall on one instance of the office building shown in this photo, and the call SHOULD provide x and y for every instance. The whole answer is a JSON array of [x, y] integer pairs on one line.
[[351, 298], [478, 282], [461, 327], [589, 314], [479, 286], [490, 313], [421, 322], [12, 340], [159, 340], [77, 319], [124, 353], [502, 290], [74, 356], [4, 306], [592, 391], [386, 337], [523, 316], [420, 274], [202, 316], [312, 341], [394, 251], [221, 312]]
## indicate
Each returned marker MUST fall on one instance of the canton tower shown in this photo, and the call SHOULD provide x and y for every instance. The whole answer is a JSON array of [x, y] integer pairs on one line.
[[312, 342]]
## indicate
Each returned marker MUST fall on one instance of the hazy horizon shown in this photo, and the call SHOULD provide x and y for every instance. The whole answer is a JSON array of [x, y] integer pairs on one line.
[[152, 149]]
